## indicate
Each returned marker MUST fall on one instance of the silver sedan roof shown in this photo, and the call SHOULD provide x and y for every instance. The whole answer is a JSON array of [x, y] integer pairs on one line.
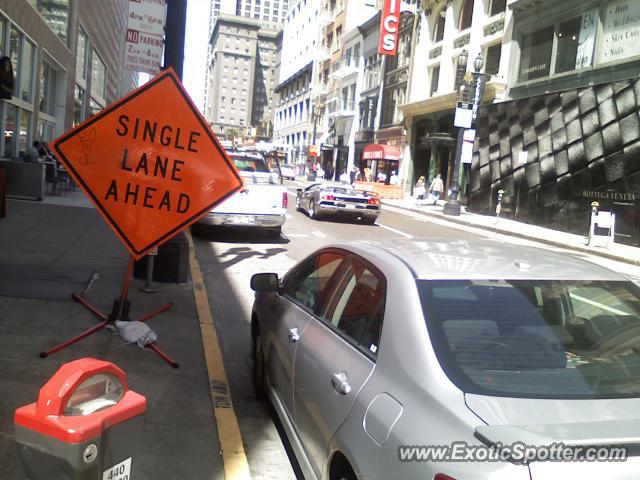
[[481, 260]]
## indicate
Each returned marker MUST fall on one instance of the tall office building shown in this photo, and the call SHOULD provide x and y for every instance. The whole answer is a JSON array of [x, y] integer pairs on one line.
[[274, 10], [242, 76]]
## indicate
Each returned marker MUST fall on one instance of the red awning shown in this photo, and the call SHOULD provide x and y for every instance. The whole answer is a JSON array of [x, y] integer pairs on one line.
[[376, 151]]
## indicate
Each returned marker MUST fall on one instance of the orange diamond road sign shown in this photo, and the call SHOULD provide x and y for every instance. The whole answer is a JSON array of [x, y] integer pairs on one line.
[[149, 163]]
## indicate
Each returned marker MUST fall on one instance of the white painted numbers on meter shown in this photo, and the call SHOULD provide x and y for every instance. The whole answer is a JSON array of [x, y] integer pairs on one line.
[[121, 471]]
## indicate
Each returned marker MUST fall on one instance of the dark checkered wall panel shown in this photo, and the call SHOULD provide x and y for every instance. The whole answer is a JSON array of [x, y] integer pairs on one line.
[[576, 141]]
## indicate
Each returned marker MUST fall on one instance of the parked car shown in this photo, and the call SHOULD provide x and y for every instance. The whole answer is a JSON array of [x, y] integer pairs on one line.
[[262, 204], [321, 200], [366, 349], [287, 171]]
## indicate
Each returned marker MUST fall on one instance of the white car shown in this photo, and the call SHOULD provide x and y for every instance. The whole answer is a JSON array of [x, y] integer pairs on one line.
[[287, 171], [262, 204]]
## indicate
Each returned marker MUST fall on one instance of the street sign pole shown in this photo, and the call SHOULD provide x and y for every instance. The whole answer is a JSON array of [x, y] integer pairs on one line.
[[175, 33], [173, 58]]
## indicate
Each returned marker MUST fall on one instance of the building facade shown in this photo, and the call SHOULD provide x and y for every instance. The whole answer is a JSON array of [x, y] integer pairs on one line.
[[449, 38], [571, 134], [269, 10], [241, 76], [67, 59], [294, 118], [369, 98], [337, 68]]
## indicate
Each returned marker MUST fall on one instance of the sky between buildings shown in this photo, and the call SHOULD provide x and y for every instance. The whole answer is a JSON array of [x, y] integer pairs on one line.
[[195, 51]]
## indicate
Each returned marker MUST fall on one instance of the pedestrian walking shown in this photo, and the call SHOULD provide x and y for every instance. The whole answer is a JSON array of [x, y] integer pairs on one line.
[[420, 190], [436, 188]]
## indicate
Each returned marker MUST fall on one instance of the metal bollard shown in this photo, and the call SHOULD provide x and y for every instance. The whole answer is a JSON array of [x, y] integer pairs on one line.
[[149, 277]]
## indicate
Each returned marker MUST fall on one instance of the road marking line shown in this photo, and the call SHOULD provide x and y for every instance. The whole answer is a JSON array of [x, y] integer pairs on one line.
[[234, 457], [319, 234], [297, 235], [399, 232], [288, 216]]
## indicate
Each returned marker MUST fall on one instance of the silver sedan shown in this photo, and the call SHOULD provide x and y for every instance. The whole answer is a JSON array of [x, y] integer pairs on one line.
[[320, 200], [445, 361]]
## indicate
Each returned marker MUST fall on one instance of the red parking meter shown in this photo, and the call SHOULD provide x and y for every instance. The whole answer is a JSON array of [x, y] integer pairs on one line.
[[85, 425]]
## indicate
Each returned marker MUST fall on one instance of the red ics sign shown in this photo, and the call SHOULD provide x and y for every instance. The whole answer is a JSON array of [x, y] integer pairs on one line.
[[389, 25]]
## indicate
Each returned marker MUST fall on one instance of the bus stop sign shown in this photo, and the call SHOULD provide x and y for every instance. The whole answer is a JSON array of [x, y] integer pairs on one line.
[[149, 163]]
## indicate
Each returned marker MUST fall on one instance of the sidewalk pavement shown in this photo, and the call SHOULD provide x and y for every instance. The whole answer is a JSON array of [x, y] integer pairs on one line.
[[579, 243], [49, 250], [617, 251]]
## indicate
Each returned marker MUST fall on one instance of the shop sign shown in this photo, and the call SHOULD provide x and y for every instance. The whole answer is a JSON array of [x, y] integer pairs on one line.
[[587, 39], [389, 26], [144, 40], [624, 196], [621, 30], [149, 163], [313, 150]]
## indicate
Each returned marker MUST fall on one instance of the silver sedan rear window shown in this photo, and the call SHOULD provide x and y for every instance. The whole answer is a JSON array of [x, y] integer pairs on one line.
[[536, 339]]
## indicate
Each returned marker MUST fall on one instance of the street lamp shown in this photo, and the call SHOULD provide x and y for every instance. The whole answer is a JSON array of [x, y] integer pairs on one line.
[[452, 207], [478, 63]]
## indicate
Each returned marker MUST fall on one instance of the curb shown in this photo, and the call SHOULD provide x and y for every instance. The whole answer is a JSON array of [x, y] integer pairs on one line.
[[577, 248]]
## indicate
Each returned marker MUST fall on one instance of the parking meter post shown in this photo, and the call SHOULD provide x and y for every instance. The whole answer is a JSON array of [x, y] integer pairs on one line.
[[592, 223], [85, 425], [499, 203]]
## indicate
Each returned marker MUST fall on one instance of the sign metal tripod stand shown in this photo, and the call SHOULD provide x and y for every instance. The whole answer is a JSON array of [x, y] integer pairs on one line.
[[120, 311]]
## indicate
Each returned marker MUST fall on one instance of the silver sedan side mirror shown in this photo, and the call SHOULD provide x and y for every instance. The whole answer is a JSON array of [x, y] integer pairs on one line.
[[265, 282]]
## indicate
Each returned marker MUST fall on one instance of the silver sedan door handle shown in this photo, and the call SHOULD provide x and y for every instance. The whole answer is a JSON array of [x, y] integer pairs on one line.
[[340, 384], [294, 336]]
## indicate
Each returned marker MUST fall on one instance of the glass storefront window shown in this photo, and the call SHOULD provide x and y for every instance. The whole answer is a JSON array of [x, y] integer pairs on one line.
[[45, 130], [47, 89], [56, 14], [535, 54], [81, 55], [492, 62], [2, 30], [567, 46], [14, 53], [26, 74], [10, 128], [95, 106], [78, 105], [98, 77], [24, 134]]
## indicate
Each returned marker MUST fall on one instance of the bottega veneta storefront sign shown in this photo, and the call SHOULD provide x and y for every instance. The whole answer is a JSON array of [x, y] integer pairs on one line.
[[621, 30], [609, 195]]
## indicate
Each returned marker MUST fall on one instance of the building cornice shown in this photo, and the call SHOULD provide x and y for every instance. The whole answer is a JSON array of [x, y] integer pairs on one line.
[[307, 68], [448, 101]]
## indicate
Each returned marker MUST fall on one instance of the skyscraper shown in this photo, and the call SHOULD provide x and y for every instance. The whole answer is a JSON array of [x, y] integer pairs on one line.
[[274, 10]]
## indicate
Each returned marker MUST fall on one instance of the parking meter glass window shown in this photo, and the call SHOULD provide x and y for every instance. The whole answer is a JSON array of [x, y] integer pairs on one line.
[[96, 393]]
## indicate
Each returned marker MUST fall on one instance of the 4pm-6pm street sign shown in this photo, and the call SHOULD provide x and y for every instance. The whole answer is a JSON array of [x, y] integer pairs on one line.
[[149, 163]]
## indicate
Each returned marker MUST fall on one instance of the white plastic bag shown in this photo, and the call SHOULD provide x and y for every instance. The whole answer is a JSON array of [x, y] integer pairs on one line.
[[136, 332]]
